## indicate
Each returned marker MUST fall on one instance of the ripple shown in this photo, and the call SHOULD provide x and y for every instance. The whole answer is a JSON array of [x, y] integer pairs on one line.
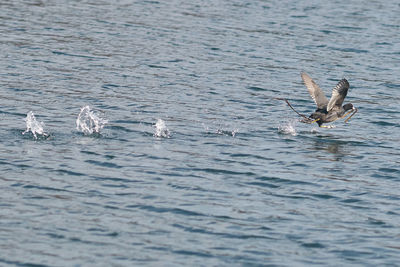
[[239, 182], [104, 164]]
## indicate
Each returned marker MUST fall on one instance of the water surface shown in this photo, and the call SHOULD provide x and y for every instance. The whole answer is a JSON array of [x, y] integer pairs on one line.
[[237, 180]]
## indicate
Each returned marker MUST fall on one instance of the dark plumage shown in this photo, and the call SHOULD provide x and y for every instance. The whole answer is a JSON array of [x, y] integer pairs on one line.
[[332, 109]]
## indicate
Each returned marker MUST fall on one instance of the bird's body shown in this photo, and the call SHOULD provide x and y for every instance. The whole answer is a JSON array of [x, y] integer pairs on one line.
[[328, 110], [322, 116]]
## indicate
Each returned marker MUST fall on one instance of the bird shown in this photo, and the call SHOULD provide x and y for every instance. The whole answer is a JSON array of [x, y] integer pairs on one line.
[[328, 110]]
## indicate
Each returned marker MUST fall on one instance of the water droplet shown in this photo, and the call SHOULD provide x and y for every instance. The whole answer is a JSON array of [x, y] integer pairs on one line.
[[89, 122], [34, 126], [288, 128], [161, 129]]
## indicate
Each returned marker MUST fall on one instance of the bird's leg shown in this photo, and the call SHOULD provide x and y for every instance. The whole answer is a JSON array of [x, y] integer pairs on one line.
[[315, 120], [354, 112], [347, 114]]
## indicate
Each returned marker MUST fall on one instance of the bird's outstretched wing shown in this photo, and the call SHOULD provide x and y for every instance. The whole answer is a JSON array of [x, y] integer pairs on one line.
[[316, 93], [339, 92]]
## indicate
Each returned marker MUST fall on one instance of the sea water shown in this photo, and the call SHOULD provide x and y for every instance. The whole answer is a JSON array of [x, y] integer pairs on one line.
[[228, 176]]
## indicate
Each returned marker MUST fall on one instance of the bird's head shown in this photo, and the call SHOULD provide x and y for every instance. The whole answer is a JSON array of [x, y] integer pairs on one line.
[[348, 106]]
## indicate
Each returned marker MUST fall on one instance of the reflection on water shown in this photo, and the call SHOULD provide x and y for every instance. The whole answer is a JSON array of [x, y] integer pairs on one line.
[[338, 149]]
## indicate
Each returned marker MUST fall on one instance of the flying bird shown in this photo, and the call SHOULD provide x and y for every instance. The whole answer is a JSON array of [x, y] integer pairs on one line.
[[327, 110]]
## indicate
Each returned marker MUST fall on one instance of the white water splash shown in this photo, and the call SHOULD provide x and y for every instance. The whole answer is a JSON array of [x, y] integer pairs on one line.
[[34, 126], [220, 131], [227, 132], [161, 129], [89, 122], [288, 128], [234, 132]]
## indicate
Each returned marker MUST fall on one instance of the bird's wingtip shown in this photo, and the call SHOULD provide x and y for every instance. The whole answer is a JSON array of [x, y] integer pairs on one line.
[[304, 75], [345, 82]]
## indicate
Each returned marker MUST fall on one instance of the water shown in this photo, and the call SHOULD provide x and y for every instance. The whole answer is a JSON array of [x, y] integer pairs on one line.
[[228, 187], [89, 122], [161, 129], [34, 126], [288, 128]]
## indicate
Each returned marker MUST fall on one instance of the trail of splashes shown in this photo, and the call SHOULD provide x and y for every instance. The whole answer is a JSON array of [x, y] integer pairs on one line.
[[220, 131], [288, 128], [89, 122], [32, 125], [161, 129], [227, 132], [234, 132]]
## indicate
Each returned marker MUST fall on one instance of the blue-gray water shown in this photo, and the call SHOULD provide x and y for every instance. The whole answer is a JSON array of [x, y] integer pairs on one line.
[[239, 181]]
